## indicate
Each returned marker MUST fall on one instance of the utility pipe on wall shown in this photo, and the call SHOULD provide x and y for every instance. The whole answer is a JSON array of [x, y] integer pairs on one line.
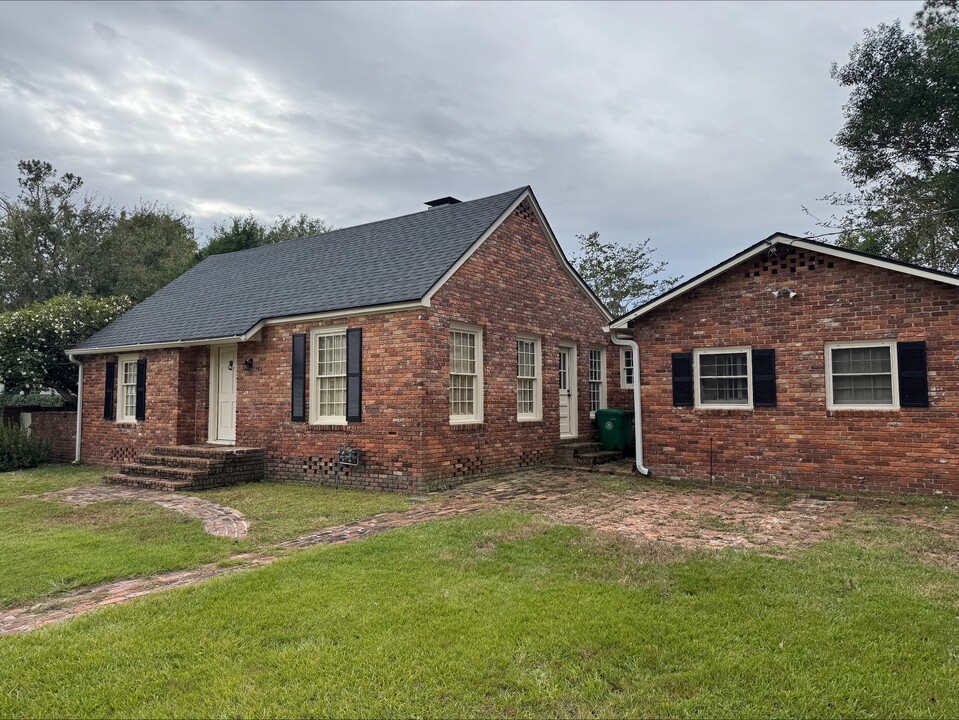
[[637, 401], [79, 364]]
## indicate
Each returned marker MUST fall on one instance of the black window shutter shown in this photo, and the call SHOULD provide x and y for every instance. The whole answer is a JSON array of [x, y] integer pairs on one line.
[[683, 379], [298, 413], [764, 378], [913, 384], [354, 375], [141, 392], [109, 392]]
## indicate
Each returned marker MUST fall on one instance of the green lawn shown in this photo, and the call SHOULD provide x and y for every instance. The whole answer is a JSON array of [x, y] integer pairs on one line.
[[48, 546], [502, 614]]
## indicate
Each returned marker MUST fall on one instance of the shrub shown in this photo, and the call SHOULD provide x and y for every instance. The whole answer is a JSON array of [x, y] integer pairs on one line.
[[20, 450]]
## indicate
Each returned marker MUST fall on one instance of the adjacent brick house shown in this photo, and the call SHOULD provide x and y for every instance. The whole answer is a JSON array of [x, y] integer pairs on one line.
[[799, 364], [450, 342]]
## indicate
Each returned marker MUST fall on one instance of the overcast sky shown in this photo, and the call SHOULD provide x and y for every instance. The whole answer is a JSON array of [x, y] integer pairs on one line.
[[703, 126]]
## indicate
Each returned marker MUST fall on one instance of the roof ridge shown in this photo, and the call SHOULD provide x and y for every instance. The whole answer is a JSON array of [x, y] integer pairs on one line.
[[442, 208]]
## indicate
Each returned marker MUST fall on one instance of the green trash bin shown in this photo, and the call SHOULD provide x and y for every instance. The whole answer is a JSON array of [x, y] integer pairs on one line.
[[616, 429]]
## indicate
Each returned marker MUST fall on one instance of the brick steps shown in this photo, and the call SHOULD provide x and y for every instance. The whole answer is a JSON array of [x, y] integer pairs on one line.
[[190, 467], [585, 454], [148, 483]]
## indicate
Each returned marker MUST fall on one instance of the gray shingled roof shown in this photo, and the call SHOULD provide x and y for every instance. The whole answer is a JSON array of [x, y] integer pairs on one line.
[[379, 263]]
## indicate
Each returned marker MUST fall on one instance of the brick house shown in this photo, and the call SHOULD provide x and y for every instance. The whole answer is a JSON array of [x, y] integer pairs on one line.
[[800, 364], [450, 342]]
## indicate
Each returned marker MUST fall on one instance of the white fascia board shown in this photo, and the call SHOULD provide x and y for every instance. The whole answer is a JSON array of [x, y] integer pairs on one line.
[[557, 250], [779, 239], [252, 332]]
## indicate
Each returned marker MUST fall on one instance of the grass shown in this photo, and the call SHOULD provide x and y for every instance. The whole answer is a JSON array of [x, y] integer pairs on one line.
[[503, 614], [281, 511], [49, 546]]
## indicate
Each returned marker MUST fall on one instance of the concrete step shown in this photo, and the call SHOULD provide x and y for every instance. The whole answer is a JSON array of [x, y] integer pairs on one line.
[[165, 472], [574, 450], [598, 457], [147, 483]]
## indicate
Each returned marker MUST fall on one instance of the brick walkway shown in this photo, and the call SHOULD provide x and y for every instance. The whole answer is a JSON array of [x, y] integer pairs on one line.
[[687, 516], [217, 519], [690, 517], [78, 602]]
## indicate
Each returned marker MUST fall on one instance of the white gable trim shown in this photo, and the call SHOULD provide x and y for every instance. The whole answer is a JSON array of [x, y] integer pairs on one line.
[[781, 239], [557, 250]]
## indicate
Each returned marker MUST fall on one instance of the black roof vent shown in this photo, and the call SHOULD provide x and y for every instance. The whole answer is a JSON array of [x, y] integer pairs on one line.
[[443, 201]]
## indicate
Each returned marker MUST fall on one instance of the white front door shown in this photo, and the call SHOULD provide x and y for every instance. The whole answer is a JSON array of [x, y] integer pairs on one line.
[[567, 392], [225, 393]]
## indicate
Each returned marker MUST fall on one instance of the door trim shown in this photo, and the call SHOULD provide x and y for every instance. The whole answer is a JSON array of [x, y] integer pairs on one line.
[[573, 374], [214, 404]]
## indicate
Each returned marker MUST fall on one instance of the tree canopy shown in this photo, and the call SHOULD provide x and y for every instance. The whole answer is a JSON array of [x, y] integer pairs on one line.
[[55, 241], [621, 275], [900, 142], [245, 232], [33, 340]]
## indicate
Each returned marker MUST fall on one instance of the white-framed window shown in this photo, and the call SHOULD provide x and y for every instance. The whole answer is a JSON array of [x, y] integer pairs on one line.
[[627, 367], [723, 378], [328, 376], [862, 375], [127, 388], [466, 374], [597, 380], [529, 378]]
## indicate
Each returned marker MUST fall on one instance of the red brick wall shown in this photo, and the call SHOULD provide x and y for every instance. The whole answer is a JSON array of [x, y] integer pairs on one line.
[[391, 431], [59, 428], [513, 284], [169, 411], [800, 443]]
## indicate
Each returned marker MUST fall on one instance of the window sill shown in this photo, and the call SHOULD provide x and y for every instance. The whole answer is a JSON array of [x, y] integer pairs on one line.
[[860, 410], [328, 426], [724, 410], [126, 423], [466, 426], [529, 419]]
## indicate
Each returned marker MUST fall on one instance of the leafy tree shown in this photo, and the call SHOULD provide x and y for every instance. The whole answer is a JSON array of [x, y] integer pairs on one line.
[[245, 232], [55, 242], [33, 340], [142, 251], [44, 234], [621, 275], [900, 142]]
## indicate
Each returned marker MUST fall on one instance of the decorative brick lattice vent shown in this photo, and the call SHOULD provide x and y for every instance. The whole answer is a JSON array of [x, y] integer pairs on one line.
[[788, 261]]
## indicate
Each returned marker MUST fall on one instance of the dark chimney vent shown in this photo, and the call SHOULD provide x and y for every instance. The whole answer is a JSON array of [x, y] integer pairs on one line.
[[443, 201]]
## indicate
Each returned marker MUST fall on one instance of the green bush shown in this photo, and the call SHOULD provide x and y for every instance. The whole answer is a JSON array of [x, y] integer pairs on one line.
[[19, 450]]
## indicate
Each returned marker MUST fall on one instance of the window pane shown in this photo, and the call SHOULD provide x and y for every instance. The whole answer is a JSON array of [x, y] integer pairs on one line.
[[595, 365], [861, 360], [723, 364], [462, 394], [862, 390], [525, 396], [525, 358], [628, 366], [724, 391]]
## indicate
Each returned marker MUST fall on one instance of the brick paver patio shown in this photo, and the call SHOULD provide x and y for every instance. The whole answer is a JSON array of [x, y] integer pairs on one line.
[[687, 516]]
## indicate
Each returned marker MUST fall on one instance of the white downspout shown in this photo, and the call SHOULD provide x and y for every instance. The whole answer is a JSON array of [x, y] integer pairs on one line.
[[637, 401], [79, 364]]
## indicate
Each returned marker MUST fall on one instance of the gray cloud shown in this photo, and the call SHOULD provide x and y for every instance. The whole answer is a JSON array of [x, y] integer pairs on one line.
[[702, 126]]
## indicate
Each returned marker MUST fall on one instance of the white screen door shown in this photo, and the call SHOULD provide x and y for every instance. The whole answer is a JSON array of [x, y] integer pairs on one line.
[[226, 393]]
